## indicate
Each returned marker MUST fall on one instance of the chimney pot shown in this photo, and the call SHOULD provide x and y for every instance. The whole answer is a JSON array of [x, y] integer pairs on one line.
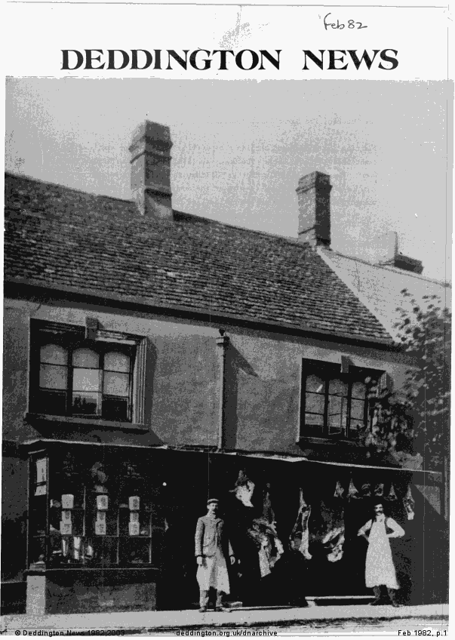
[[151, 170], [313, 194]]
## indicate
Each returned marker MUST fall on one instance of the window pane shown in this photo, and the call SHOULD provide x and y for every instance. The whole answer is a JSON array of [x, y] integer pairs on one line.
[[86, 358], [77, 522], [135, 551], [338, 388], [337, 414], [38, 549], [314, 425], [53, 354], [357, 415], [116, 361], [110, 521], [358, 390], [314, 403], [86, 380], [52, 402], [104, 550], [311, 419], [357, 410], [116, 409], [53, 376], [87, 403], [315, 383], [116, 384]]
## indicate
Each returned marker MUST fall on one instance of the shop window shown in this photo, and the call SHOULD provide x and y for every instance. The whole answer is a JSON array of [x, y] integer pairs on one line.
[[334, 404], [93, 378], [87, 512]]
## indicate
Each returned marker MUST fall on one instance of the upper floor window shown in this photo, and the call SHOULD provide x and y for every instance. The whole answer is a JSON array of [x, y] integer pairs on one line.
[[78, 380], [75, 376], [334, 404]]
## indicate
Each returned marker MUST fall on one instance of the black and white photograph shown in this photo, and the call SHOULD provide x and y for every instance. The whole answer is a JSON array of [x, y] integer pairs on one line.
[[226, 347]]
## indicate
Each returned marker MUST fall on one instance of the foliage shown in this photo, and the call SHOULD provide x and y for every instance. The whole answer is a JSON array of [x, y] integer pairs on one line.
[[416, 419]]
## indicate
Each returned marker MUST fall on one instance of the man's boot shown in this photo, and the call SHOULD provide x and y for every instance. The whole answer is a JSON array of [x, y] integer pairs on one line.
[[220, 605], [203, 600], [377, 596], [393, 597]]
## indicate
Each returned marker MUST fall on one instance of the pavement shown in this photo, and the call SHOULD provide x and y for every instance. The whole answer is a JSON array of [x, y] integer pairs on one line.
[[155, 622]]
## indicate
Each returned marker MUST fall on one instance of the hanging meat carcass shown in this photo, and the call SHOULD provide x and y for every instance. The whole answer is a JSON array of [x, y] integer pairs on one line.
[[267, 543], [267, 510], [327, 529], [392, 495], [365, 490], [339, 491], [333, 542], [409, 504], [244, 489], [379, 490], [352, 491], [301, 527], [263, 531]]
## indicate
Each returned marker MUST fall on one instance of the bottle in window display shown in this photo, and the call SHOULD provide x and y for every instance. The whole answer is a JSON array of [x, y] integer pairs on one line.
[[134, 503], [102, 502], [67, 501], [100, 522]]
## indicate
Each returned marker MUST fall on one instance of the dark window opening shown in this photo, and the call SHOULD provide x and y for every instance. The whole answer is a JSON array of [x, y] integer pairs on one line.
[[334, 404]]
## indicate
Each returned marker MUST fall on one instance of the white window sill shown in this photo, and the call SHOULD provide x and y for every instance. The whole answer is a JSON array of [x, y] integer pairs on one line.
[[92, 423]]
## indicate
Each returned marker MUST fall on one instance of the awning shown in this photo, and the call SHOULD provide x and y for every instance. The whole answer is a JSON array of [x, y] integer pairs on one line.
[[435, 476]]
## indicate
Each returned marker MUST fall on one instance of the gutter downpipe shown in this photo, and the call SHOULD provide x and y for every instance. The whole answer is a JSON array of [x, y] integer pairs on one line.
[[223, 343]]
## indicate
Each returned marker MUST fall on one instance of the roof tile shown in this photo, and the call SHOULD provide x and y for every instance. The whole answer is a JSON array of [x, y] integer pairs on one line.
[[57, 236]]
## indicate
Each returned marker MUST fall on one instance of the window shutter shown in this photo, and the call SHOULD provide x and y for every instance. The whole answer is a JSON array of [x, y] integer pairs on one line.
[[385, 384], [140, 381]]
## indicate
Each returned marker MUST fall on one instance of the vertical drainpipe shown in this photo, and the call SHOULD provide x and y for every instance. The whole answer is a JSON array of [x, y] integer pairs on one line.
[[223, 343]]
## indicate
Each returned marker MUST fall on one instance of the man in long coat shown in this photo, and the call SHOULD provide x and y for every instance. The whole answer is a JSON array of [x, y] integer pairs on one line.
[[379, 567], [211, 549]]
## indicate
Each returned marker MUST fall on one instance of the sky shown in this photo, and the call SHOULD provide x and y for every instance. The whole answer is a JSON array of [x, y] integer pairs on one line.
[[240, 147]]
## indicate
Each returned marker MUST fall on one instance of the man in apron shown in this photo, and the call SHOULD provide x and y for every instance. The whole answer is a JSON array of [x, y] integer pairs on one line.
[[211, 549], [379, 567]]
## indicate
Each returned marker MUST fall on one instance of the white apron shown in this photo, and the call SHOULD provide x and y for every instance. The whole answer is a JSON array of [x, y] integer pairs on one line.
[[379, 567], [213, 574]]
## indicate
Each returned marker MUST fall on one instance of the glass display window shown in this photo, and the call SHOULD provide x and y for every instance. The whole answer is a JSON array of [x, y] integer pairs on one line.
[[88, 510]]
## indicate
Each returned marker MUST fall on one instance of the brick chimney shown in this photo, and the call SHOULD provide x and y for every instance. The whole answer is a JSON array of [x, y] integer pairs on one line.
[[313, 194], [151, 170]]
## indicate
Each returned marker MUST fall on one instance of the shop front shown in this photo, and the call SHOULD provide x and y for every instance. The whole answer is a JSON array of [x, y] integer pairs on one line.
[[111, 527], [294, 526]]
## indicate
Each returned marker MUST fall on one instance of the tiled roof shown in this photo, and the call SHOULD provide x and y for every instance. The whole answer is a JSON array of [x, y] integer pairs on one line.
[[380, 287], [59, 237]]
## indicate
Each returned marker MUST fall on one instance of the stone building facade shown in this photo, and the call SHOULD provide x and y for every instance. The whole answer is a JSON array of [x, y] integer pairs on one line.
[[153, 358]]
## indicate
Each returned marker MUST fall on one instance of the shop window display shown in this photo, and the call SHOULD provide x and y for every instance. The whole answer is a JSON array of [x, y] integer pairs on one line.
[[87, 513]]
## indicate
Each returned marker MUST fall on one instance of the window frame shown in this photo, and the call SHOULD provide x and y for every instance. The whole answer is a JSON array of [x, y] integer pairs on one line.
[[114, 548], [73, 337], [328, 371]]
